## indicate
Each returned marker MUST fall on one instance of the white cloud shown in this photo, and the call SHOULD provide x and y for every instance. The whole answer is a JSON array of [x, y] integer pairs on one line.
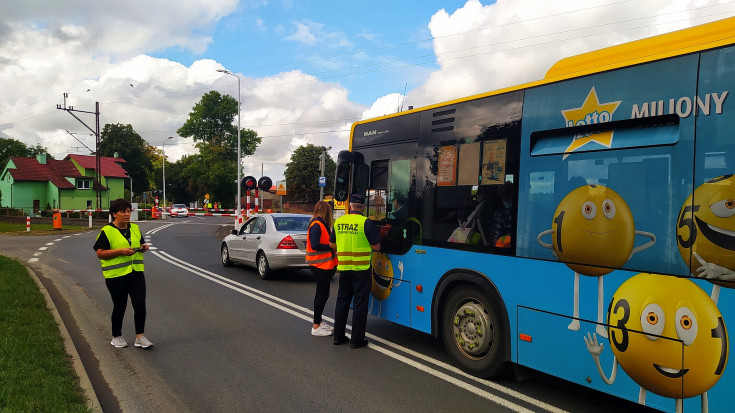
[[288, 114], [312, 33], [486, 47], [303, 35], [385, 105], [57, 50]]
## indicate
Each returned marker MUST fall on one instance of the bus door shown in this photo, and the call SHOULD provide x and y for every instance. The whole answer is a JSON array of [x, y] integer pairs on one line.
[[607, 163], [387, 150], [391, 206]]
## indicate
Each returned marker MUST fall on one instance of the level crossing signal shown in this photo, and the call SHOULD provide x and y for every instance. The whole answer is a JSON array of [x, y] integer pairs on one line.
[[250, 183]]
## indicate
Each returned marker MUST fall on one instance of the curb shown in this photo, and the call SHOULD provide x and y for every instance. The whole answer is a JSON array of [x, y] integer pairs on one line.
[[92, 401]]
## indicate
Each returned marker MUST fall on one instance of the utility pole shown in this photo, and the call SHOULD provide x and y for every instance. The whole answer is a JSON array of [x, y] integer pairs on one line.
[[323, 159], [98, 173]]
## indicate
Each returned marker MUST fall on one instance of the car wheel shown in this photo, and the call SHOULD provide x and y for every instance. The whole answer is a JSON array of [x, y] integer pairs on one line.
[[264, 270], [472, 331], [226, 256]]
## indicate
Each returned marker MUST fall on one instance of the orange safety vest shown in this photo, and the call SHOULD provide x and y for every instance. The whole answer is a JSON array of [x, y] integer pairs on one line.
[[325, 260]]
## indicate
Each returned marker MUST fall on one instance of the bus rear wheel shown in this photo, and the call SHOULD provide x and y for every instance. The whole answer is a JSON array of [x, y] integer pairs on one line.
[[472, 332]]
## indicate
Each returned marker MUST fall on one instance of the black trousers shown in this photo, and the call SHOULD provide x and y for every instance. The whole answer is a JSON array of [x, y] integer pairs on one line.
[[323, 280], [132, 284], [352, 284]]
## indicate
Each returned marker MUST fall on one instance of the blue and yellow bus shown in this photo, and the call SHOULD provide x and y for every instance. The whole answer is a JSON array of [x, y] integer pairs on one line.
[[582, 225]]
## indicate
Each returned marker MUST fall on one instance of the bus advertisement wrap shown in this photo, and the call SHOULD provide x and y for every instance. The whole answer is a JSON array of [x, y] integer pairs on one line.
[[582, 226]]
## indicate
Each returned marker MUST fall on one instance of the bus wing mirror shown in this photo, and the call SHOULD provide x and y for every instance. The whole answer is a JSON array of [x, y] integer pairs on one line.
[[342, 176]]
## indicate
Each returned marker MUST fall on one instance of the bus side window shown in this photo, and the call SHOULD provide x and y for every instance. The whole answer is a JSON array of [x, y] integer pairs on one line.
[[378, 188]]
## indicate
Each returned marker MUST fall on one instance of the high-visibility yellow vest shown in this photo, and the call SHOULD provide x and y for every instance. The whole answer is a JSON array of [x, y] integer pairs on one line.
[[353, 248], [124, 264], [320, 259]]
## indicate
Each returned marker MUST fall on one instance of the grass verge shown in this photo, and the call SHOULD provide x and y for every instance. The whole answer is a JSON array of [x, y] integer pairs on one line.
[[37, 375], [14, 228]]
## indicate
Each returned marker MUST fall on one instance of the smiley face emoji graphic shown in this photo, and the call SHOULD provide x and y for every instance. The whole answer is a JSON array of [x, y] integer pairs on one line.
[[668, 335], [382, 276], [706, 226], [593, 224]]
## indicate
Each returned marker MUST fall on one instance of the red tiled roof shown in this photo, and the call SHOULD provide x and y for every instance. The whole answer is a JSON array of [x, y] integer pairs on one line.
[[110, 167], [29, 169]]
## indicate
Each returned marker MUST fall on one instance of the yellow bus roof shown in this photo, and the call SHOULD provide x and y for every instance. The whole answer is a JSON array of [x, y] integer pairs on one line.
[[707, 36], [693, 39]]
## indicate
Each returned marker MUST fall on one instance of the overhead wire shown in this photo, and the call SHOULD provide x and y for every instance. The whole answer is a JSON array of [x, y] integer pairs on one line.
[[396, 64]]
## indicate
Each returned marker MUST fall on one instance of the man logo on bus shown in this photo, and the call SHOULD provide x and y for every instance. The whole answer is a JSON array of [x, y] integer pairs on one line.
[[667, 335], [593, 233], [705, 232], [591, 112]]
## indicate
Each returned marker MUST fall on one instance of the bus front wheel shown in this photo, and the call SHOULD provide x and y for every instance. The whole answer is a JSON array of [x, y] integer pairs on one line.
[[472, 332]]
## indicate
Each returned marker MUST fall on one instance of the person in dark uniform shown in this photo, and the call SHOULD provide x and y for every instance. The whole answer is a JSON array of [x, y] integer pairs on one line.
[[354, 237]]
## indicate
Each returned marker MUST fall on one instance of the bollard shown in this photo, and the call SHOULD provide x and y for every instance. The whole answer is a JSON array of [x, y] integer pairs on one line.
[[28, 224], [90, 219]]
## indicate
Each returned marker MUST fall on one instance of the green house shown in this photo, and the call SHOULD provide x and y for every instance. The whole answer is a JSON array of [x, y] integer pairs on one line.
[[34, 184]]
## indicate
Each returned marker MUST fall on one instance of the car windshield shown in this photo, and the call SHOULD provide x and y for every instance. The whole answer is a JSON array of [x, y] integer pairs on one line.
[[292, 223], [179, 206]]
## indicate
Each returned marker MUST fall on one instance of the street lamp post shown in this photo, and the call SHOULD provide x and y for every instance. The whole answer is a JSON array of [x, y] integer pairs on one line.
[[163, 216], [323, 159], [239, 158]]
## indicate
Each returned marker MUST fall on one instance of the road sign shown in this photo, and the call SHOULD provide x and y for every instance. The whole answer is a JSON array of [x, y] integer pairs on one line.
[[340, 204], [322, 181], [281, 188]]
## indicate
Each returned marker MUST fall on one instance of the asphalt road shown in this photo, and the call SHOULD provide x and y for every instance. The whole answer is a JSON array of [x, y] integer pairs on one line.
[[226, 341]]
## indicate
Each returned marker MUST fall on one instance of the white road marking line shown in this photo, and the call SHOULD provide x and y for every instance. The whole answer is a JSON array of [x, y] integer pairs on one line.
[[33, 260], [49, 243], [268, 299], [43, 248]]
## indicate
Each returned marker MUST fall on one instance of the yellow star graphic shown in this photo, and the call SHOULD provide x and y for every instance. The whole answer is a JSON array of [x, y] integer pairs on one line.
[[591, 112]]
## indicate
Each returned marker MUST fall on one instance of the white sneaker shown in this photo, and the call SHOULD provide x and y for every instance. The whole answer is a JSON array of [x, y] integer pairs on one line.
[[321, 331], [142, 342], [326, 326], [119, 342]]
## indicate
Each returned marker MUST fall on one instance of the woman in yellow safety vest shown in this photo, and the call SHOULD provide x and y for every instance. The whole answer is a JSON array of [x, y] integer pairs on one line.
[[120, 248], [322, 262]]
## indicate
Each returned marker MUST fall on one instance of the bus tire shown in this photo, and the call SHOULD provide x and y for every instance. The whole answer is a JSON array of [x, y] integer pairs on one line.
[[472, 331]]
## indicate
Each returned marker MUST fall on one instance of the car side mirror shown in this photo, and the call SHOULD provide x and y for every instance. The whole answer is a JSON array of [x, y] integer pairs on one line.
[[234, 232]]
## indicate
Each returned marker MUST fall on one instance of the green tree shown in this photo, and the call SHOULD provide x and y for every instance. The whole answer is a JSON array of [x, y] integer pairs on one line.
[[132, 148], [214, 170], [12, 147], [303, 171]]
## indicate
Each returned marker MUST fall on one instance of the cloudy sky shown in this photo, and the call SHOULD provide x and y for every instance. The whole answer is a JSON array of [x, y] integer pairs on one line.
[[308, 69]]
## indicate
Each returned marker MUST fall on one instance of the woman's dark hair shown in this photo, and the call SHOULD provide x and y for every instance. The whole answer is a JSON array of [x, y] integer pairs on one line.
[[119, 205]]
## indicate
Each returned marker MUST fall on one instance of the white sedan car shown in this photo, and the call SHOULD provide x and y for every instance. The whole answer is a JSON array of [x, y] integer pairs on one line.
[[179, 210], [268, 242]]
